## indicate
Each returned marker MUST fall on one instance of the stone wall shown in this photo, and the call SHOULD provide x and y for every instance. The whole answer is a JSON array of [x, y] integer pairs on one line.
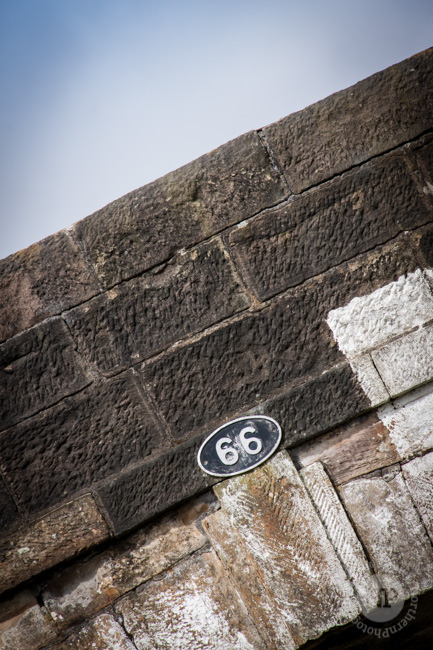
[[287, 273]]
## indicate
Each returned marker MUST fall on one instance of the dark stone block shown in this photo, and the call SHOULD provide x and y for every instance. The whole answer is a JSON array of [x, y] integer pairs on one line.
[[38, 368], [141, 317], [42, 281], [327, 226], [349, 127], [145, 491], [8, 510], [147, 226], [85, 439], [243, 363]]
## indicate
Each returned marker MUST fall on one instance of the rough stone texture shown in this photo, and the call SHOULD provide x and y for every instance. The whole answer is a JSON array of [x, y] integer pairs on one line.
[[39, 367], [351, 126], [357, 448], [327, 226], [246, 361], [391, 530], [193, 606], [147, 226], [83, 440], [407, 362], [23, 624], [46, 542], [410, 422], [143, 316], [41, 281], [148, 489], [103, 633], [370, 380], [81, 590], [418, 474], [8, 510], [372, 320], [305, 590], [341, 534]]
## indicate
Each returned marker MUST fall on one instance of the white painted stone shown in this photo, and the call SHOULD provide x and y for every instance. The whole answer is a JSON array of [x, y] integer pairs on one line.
[[418, 474], [372, 320], [370, 380], [392, 532], [341, 534], [102, 633], [406, 362], [410, 421]]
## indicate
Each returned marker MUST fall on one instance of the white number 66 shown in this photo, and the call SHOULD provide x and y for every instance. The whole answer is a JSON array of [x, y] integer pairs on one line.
[[228, 454]]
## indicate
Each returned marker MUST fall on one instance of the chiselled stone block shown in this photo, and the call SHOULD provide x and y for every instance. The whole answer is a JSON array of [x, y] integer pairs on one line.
[[369, 379], [23, 624], [81, 590], [141, 317], [147, 226], [349, 127], [418, 474], [305, 590], [191, 606], [47, 541], [330, 224], [39, 367], [406, 362], [102, 633], [41, 281], [341, 534], [87, 438], [392, 532], [8, 510]]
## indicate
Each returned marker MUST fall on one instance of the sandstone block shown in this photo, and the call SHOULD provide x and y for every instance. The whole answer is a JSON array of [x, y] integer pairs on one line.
[[103, 633], [391, 530], [8, 510], [39, 367], [147, 226], [418, 474], [369, 379], [192, 606], [85, 439], [47, 541], [141, 317], [23, 624], [349, 127], [33, 289]]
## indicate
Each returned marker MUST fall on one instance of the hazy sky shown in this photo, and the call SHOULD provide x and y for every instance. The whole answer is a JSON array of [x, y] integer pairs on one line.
[[99, 97]]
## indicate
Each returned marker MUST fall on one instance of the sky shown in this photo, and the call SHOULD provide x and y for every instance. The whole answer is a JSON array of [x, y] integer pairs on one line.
[[99, 97]]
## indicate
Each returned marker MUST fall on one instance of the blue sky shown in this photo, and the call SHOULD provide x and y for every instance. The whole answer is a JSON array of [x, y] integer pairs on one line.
[[99, 97]]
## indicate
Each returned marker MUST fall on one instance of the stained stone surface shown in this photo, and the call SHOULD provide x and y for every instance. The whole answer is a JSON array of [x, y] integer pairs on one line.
[[81, 441], [39, 367], [102, 633], [418, 474], [47, 541], [41, 281], [192, 606], [23, 624], [141, 317], [147, 226], [8, 510]]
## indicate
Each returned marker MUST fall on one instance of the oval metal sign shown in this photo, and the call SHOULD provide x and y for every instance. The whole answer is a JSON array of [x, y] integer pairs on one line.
[[239, 445]]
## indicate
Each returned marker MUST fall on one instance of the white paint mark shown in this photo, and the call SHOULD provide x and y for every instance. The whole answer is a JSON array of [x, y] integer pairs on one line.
[[369, 379]]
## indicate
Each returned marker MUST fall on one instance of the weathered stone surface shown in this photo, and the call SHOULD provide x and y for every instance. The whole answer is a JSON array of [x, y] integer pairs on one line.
[[418, 474], [39, 367], [353, 449], [246, 361], [84, 588], [390, 528], [410, 422], [8, 510], [328, 225], [143, 316], [422, 240], [41, 281], [349, 127], [192, 606], [23, 624], [149, 489], [85, 439], [406, 362], [341, 534], [43, 543], [305, 590], [147, 226], [371, 320], [369, 379], [103, 633]]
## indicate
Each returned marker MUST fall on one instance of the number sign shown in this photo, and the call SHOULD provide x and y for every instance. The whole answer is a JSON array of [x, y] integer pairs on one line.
[[239, 445]]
